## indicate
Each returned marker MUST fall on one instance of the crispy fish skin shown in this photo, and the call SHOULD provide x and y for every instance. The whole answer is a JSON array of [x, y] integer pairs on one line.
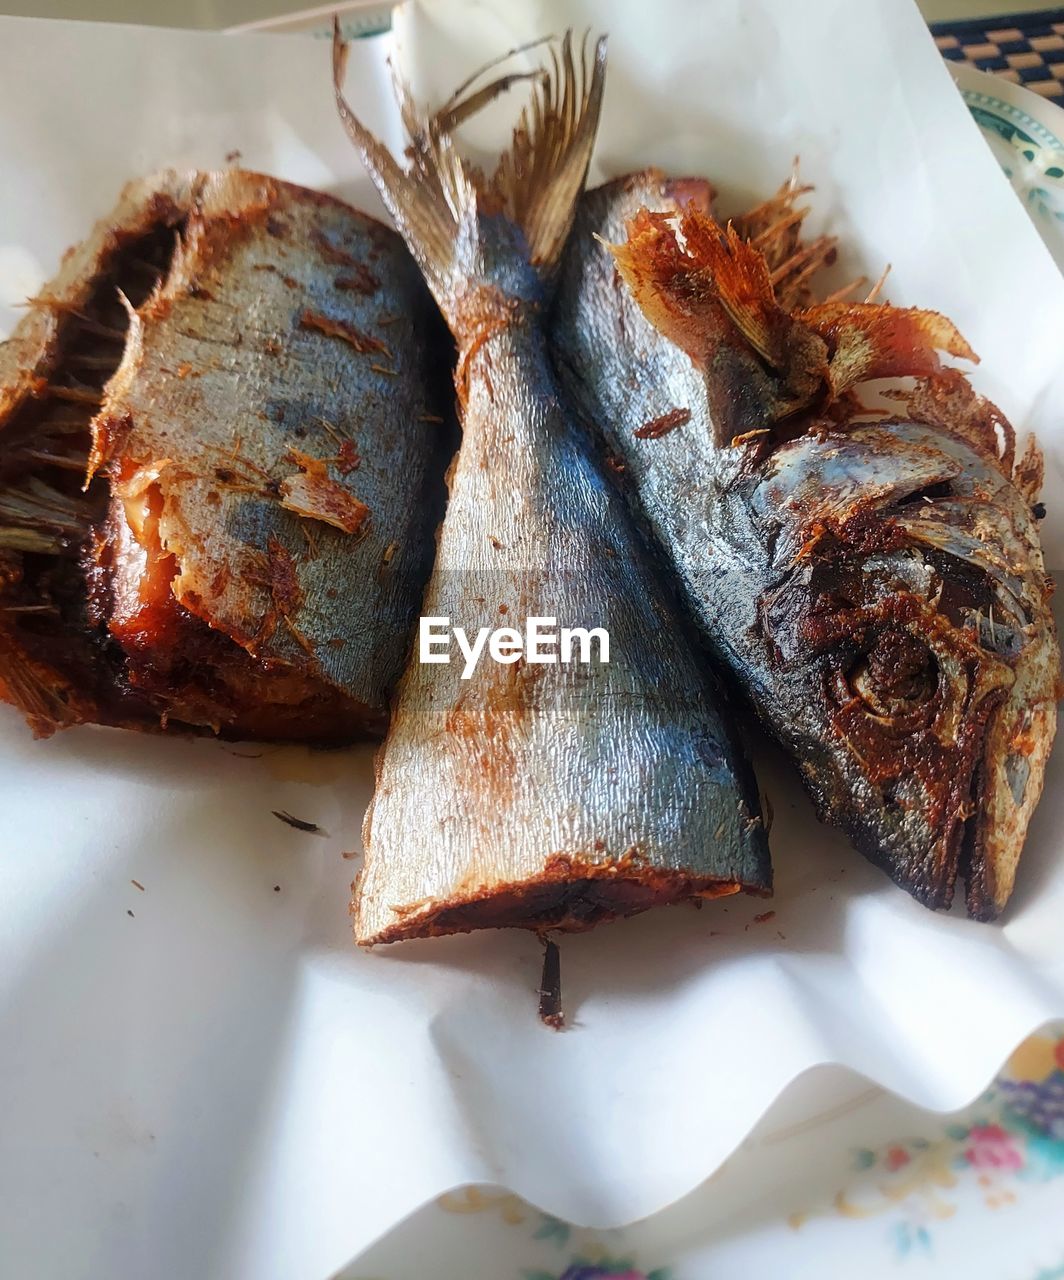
[[876, 589], [538, 795], [256, 531]]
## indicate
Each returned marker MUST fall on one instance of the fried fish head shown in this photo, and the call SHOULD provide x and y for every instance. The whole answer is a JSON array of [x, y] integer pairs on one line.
[[905, 653], [911, 647]]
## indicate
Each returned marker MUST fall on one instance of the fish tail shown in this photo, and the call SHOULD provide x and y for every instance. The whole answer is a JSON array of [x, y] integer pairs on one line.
[[458, 223], [716, 296]]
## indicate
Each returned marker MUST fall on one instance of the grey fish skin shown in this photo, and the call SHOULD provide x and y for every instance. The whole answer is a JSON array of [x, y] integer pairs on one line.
[[264, 463], [539, 795], [877, 591]]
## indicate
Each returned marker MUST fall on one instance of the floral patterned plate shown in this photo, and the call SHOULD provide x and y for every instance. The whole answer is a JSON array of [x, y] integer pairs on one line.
[[1026, 134], [838, 1180]]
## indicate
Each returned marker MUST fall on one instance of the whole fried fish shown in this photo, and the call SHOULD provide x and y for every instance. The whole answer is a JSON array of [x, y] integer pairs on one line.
[[875, 587], [536, 794], [238, 371]]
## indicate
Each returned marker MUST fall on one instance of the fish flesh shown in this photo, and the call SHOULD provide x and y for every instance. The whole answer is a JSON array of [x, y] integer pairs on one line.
[[873, 584], [220, 450], [537, 794]]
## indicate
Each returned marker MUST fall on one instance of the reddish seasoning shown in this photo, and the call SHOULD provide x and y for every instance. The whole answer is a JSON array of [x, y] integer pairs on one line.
[[362, 342], [658, 427], [359, 279], [348, 459], [284, 586]]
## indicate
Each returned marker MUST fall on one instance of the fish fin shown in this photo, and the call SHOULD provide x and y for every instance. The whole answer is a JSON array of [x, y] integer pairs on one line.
[[717, 293], [440, 203], [47, 701], [452, 103], [866, 339], [422, 201], [684, 288], [1029, 473], [659, 274], [946, 400], [774, 228], [741, 278], [712, 295], [540, 178], [874, 340]]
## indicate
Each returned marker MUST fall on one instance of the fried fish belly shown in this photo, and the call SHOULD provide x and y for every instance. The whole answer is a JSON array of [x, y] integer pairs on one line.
[[874, 585], [538, 795], [220, 459]]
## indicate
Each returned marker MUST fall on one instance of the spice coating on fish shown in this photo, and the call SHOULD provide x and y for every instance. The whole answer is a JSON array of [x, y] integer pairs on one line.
[[538, 795], [875, 587], [265, 445]]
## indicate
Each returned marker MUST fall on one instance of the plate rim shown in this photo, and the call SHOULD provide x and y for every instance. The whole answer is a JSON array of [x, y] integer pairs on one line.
[[1029, 110]]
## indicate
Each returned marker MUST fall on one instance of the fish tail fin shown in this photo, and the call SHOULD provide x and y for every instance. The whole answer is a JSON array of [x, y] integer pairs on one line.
[[421, 202], [443, 206], [718, 297], [539, 179]]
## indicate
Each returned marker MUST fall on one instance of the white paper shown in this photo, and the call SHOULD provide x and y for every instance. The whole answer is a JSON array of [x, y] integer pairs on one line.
[[220, 1085]]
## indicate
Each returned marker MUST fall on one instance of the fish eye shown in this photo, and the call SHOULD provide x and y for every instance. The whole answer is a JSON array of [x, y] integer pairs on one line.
[[896, 676]]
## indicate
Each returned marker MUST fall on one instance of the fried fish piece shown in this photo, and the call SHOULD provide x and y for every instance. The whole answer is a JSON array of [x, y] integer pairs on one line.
[[875, 587], [220, 452], [538, 794]]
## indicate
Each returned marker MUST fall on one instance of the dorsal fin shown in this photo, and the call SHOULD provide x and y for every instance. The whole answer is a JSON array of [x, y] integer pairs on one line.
[[713, 296]]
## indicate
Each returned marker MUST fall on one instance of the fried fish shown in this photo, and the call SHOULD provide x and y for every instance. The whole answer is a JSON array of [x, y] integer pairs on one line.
[[874, 585], [540, 795], [220, 449]]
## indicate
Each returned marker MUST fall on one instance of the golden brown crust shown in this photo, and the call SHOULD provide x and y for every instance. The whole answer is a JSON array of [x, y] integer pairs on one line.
[[571, 894]]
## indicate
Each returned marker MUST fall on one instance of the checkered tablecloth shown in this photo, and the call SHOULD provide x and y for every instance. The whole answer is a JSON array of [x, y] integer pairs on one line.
[[1026, 47]]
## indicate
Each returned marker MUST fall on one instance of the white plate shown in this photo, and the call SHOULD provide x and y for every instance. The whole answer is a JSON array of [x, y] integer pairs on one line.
[[1026, 134]]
